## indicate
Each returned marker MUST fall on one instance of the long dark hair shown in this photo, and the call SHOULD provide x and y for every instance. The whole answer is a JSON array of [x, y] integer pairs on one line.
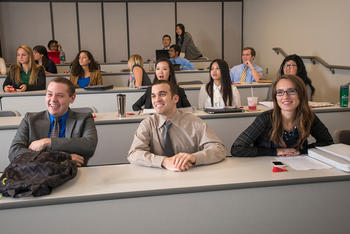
[[303, 118], [172, 78], [226, 88], [182, 27], [301, 72], [78, 70], [42, 50]]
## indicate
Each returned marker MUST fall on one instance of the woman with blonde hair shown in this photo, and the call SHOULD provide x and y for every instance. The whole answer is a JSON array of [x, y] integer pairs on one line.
[[138, 76], [85, 70], [284, 130], [26, 75]]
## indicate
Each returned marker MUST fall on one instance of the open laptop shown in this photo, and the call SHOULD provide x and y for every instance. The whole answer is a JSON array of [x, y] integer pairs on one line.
[[216, 110], [162, 54]]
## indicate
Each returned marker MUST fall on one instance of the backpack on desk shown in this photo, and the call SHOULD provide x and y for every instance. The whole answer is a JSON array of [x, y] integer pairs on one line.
[[36, 173]]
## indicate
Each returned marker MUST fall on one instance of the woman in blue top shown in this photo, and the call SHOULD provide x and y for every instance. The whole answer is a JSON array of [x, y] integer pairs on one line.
[[41, 57], [25, 75], [85, 70]]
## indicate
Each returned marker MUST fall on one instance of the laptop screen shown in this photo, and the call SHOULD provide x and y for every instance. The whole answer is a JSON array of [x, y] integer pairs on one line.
[[162, 54]]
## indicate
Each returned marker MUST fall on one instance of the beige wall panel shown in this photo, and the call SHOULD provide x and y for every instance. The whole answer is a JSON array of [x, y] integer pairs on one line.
[[115, 32], [203, 21], [304, 27], [148, 23], [23, 23], [65, 25], [90, 21], [232, 32]]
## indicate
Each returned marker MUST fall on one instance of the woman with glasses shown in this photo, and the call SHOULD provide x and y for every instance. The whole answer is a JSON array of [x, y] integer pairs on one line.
[[284, 130], [294, 65]]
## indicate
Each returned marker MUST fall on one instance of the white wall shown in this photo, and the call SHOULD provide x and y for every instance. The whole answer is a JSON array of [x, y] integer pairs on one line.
[[313, 27]]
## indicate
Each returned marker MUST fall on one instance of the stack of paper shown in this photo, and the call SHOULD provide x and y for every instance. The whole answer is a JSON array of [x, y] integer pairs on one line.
[[336, 155]]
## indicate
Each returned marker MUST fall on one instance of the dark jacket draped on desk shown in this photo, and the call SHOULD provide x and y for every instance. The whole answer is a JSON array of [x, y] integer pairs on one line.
[[255, 140], [146, 100], [81, 134]]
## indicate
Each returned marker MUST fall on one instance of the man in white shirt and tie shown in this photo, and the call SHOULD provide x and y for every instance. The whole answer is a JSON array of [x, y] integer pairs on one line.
[[173, 139], [247, 71]]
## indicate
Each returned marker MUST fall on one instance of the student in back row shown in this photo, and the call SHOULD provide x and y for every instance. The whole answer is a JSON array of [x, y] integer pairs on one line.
[[26, 75], [138, 75], [174, 53], [85, 70], [41, 57], [284, 130], [219, 92], [164, 71], [247, 71]]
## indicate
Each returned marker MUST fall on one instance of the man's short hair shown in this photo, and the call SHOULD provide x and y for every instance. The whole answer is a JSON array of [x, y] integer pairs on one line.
[[252, 51], [173, 87], [166, 35], [70, 85], [176, 48]]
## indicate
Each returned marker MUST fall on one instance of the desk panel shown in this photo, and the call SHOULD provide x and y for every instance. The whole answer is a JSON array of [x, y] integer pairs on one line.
[[240, 194]]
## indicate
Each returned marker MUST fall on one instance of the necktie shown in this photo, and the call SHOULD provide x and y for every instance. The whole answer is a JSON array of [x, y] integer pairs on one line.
[[56, 128], [168, 147], [244, 74]]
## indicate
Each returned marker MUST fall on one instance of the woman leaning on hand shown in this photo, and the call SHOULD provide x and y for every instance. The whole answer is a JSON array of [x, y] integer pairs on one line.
[[284, 130], [25, 75]]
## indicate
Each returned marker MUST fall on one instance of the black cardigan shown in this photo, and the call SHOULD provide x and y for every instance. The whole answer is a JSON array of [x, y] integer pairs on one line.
[[146, 100], [255, 140]]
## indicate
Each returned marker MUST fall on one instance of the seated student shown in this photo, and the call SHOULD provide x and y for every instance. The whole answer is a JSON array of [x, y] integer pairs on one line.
[[185, 41], [219, 92], [41, 58], [2, 66], [166, 41], [247, 71], [164, 71], [294, 65], [174, 53], [26, 75], [138, 75], [53, 45], [85, 70], [58, 128], [284, 130], [173, 139]]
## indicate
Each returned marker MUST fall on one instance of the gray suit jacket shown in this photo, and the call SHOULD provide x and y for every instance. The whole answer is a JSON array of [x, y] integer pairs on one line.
[[81, 134]]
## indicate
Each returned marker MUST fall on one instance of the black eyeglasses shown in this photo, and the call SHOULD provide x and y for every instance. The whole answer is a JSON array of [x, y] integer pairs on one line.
[[281, 92], [290, 65]]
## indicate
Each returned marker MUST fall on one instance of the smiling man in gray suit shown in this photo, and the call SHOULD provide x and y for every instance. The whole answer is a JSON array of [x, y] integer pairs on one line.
[[58, 128]]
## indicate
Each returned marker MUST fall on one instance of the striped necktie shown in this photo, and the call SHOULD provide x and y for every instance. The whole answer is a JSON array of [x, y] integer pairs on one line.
[[55, 132], [168, 146], [244, 74]]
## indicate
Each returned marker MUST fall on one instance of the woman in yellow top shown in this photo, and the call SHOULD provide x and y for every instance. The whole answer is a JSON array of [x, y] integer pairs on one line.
[[25, 75], [85, 70]]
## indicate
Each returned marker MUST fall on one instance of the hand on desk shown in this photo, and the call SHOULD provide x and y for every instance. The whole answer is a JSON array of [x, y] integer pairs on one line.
[[287, 152], [179, 162], [79, 159], [22, 88], [40, 145]]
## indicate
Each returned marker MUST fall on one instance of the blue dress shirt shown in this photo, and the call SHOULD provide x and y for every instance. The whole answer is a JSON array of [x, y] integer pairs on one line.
[[83, 81], [62, 124], [185, 64], [236, 73]]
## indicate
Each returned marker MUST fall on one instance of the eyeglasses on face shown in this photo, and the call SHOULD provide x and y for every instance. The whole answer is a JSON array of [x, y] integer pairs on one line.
[[281, 92], [289, 65]]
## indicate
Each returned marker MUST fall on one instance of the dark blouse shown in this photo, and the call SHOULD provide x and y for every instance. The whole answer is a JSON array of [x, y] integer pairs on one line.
[[255, 140], [40, 83], [146, 100], [145, 79], [51, 67]]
